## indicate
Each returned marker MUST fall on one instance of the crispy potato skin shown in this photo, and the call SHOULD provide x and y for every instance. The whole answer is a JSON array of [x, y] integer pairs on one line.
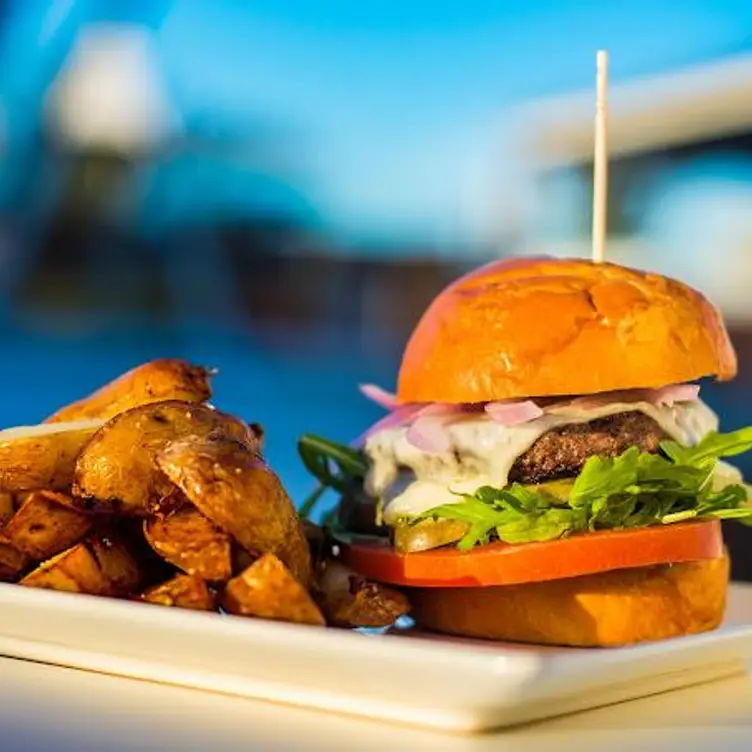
[[192, 543], [268, 590], [156, 381], [240, 493], [45, 460], [241, 559], [182, 591], [45, 525], [167, 505], [116, 471], [144, 492], [99, 565], [349, 600], [130, 530], [12, 561], [7, 508]]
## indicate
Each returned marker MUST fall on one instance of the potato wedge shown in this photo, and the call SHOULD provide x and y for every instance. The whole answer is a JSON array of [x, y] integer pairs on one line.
[[349, 600], [116, 472], [99, 565], [239, 492], [192, 543], [241, 559], [7, 508], [156, 381], [45, 525], [268, 590], [167, 505], [42, 456], [183, 591], [130, 531], [12, 561]]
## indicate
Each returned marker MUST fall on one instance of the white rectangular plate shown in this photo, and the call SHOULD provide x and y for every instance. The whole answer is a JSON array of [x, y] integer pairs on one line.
[[456, 685]]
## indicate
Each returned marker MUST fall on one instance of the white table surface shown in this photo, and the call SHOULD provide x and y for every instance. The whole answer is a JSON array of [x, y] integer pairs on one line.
[[63, 710]]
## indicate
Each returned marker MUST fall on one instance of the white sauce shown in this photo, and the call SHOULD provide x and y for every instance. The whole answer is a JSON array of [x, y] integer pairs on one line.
[[482, 452], [726, 475]]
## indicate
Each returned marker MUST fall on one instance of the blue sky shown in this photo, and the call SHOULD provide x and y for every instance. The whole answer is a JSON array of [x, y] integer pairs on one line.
[[390, 101]]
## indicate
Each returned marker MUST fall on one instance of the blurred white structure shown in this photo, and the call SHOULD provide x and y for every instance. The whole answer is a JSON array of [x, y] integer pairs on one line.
[[109, 94], [648, 114], [695, 213]]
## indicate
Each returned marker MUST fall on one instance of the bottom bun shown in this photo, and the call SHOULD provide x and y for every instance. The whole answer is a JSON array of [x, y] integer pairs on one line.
[[614, 608]]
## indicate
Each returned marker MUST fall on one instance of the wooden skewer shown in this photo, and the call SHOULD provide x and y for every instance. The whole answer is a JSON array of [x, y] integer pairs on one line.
[[600, 160]]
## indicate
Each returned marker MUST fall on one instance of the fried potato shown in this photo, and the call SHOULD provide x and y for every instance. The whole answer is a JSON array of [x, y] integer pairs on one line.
[[241, 559], [7, 508], [349, 600], [192, 543], [239, 492], [12, 561], [130, 530], [156, 381], [116, 472], [167, 505], [45, 525], [268, 590], [182, 591], [42, 456], [99, 565]]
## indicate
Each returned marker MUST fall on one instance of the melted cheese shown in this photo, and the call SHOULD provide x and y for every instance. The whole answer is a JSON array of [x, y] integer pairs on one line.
[[482, 452]]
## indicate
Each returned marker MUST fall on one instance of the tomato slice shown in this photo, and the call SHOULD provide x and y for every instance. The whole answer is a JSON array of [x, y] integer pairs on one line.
[[506, 564]]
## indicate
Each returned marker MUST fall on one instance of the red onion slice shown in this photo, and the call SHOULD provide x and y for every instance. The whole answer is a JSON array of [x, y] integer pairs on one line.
[[380, 396], [513, 413], [394, 419], [666, 395], [427, 422], [429, 435], [675, 393], [443, 409]]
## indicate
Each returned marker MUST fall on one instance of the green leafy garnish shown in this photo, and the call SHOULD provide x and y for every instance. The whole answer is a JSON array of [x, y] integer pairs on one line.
[[632, 490], [333, 465], [712, 447]]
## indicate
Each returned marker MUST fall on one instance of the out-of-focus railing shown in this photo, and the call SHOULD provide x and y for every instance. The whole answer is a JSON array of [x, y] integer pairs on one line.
[[680, 183]]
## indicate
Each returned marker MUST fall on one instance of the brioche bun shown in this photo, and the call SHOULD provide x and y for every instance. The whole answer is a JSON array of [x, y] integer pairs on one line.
[[532, 327], [610, 609]]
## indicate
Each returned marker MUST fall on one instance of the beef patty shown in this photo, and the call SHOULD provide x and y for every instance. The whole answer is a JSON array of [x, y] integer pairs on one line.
[[562, 452]]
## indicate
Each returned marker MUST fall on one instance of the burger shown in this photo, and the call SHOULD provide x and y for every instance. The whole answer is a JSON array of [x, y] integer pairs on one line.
[[547, 471]]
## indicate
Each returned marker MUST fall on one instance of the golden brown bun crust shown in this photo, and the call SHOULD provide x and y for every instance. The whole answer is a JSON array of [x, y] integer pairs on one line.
[[604, 610], [541, 326]]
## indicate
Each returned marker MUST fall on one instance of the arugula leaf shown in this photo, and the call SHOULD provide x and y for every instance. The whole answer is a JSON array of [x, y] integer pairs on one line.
[[729, 495], [318, 455], [600, 475], [743, 515], [613, 511], [471, 510], [546, 524], [516, 515], [632, 490], [713, 446], [333, 465], [477, 535], [687, 514], [517, 497]]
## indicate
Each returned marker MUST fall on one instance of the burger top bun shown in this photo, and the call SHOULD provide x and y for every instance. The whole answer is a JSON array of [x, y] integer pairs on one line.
[[540, 326]]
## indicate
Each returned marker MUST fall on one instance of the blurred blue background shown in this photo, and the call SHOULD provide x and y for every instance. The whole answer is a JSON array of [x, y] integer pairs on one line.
[[277, 189]]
